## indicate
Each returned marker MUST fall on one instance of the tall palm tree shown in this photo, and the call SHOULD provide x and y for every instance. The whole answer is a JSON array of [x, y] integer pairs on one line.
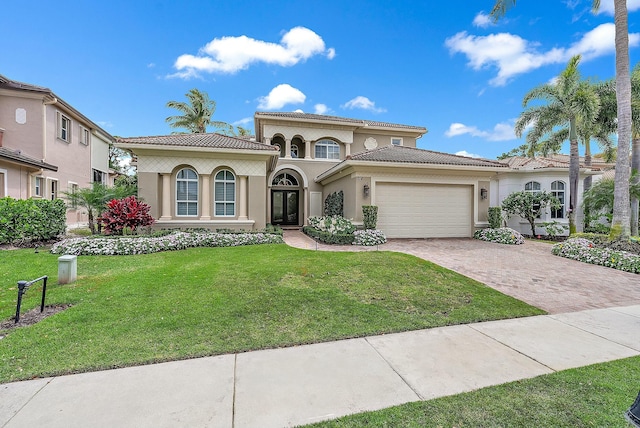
[[197, 114], [621, 218], [635, 143], [570, 100]]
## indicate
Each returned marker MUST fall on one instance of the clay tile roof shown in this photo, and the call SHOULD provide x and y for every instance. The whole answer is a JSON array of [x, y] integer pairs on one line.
[[334, 119], [526, 163], [17, 156], [7, 83], [420, 156], [214, 141]]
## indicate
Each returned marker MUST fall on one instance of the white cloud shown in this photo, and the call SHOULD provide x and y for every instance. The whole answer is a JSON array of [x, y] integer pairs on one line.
[[280, 96], [467, 154], [244, 121], [482, 20], [232, 54], [363, 103], [321, 109], [513, 55], [298, 110], [501, 132], [606, 6]]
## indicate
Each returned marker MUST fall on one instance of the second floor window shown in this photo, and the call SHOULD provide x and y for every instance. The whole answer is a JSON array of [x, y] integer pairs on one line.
[[84, 136], [64, 128], [38, 186], [327, 149]]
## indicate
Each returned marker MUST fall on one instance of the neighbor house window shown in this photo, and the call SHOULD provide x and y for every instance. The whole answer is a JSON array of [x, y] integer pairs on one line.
[[38, 186], [53, 190], [187, 192], [396, 141], [225, 194], [532, 186], [327, 149], [294, 151], [99, 177], [557, 190], [64, 127], [73, 189], [84, 136]]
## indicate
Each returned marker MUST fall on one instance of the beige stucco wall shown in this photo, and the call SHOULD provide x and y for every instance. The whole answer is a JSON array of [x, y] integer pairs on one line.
[[382, 139]]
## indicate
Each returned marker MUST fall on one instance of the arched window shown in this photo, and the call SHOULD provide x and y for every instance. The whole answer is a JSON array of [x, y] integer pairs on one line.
[[327, 149], [284, 179], [225, 194], [532, 186], [557, 190], [187, 192], [294, 151]]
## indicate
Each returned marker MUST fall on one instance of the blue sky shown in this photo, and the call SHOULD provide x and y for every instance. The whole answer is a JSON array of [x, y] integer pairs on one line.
[[442, 65]]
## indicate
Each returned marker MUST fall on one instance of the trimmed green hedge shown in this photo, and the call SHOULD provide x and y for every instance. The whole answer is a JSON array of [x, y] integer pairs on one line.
[[370, 216], [328, 237], [26, 220], [495, 217]]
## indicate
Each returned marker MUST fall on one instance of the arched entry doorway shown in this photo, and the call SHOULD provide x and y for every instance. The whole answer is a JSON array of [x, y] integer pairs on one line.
[[285, 199]]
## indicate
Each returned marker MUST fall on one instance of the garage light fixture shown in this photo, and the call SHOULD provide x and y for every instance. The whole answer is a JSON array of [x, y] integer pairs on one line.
[[483, 193], [365, 190]]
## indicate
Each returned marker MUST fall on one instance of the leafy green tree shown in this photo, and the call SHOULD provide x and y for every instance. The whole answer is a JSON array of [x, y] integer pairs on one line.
[[197, 114], [529, 205], [570, 100], [600, 199], [95, 198], [243, 132], [621, 214]]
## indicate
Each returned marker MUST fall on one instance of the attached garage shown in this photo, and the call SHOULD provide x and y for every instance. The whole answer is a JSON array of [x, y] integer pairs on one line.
[[424, 210]]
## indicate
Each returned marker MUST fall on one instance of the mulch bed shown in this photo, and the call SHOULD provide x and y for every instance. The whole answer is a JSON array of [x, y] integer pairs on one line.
[[31, 317]]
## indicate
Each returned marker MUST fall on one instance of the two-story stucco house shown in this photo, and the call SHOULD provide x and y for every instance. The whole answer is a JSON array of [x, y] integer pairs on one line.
[[47, 146], [296, 161]]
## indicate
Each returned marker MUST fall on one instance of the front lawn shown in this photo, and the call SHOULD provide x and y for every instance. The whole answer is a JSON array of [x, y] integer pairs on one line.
[[129, 310], [592, 396]]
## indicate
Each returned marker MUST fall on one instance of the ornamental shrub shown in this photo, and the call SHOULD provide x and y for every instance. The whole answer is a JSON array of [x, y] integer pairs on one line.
[[369, 237], [329, 237], [31, 220], [502, 235], [332, 224], [495, 217], [125, 213], [370, 216], [334, 204], [587, 251]]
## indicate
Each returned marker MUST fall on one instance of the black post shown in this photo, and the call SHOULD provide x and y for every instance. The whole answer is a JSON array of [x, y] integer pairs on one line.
[[44, 291], [21, 287]]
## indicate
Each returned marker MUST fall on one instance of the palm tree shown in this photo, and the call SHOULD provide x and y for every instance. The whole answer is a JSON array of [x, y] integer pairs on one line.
[[197, 114], [95, 198], [635, 152], [621, 222], [570, 101]]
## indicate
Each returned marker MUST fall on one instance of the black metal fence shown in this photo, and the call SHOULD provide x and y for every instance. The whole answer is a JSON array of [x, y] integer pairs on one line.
[[23, 286]]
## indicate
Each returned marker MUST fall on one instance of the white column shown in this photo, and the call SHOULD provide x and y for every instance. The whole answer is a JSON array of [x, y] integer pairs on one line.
[[242, 212], [287, 150], [347, 150], [307, 149], [305, 207], [267, 141], [166, 197], [206, 198]]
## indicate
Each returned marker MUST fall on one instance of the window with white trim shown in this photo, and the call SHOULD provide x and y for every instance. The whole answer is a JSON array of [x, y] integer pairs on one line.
[[327, 149], [284, 179], [294, 151], [39, 186], [99, 176], [85, 135], [532, 186], [396, 141], [73, 190], [557, 190], [64, 127], [187, 192], [53, 190], [224, 194]]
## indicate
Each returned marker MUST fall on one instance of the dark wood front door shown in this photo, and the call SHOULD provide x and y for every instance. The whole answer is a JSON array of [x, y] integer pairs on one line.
[[284, 207]]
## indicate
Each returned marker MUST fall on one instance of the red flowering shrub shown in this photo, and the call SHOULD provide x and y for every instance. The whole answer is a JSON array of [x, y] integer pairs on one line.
[[128, 212]]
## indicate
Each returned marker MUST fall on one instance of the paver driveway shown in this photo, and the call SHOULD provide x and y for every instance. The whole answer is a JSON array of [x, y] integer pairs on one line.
[[527, 272]]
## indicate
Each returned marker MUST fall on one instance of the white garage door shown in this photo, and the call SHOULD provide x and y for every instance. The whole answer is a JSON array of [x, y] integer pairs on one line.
[[424, 210]]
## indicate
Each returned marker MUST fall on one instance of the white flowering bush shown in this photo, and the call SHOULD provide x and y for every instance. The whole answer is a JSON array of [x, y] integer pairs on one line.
[[173, 241], [586, 251], [336, 224], [369, 237], [502, 235]]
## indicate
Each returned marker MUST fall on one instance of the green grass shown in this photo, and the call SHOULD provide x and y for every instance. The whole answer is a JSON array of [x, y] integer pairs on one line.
[[130, 310], [593, 396]]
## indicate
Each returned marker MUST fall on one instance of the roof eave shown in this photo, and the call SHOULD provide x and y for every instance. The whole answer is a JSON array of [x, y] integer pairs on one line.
[[165, 147]]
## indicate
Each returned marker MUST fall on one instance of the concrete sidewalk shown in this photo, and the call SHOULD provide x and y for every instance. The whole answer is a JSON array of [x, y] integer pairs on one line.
[[305, 384]]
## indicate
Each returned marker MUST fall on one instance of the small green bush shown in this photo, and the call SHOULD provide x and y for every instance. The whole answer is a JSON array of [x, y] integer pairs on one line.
[[495, 217], [370, 216], [31, 220], [502, 235], [334, 204], [329, 237]]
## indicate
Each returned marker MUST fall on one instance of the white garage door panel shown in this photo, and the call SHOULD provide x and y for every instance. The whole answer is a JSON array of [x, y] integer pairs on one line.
[[423, 210]]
